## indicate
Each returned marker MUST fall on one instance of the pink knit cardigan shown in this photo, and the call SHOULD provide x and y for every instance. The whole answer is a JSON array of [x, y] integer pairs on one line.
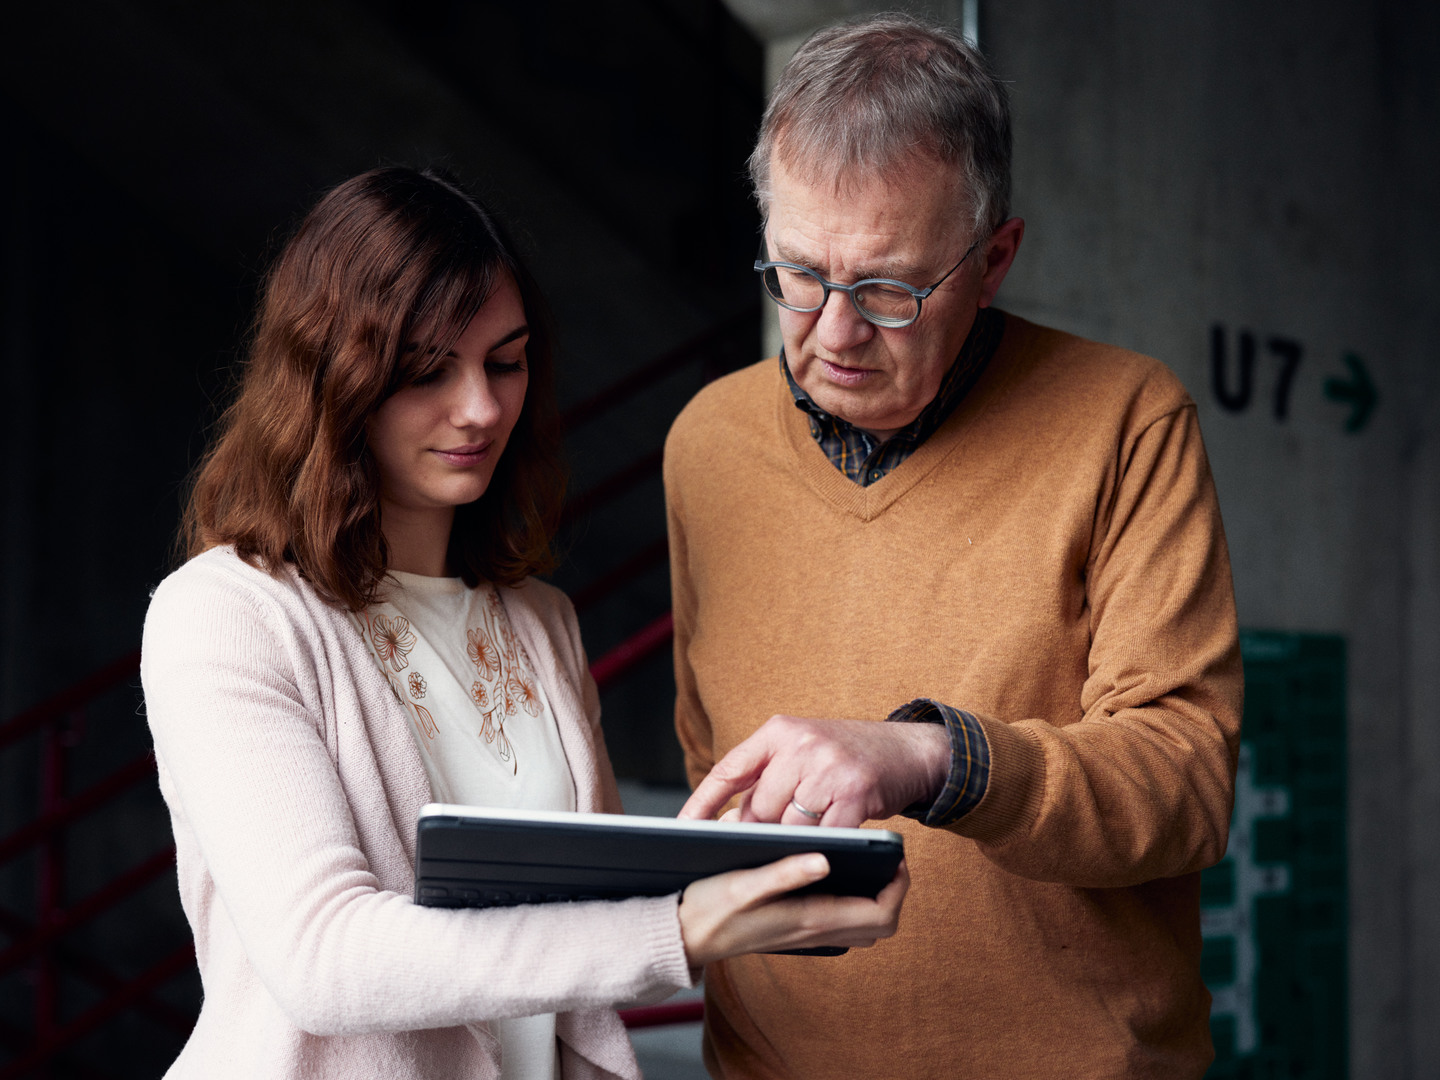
[[294, 784]]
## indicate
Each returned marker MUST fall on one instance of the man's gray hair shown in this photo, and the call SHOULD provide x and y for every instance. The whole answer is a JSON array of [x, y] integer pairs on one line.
[[871, 95]]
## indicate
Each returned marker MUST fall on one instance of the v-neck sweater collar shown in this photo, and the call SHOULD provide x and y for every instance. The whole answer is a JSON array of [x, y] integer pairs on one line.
[[867, 503]]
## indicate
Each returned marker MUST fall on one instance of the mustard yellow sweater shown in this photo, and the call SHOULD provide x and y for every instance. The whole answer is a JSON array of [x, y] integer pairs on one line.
[[1052, 560]]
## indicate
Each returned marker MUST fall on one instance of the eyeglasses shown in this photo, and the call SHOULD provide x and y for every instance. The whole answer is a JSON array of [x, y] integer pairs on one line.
[[882, 301]]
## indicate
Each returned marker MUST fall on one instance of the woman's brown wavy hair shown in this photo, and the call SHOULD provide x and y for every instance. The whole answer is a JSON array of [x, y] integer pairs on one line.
[[389, 258]]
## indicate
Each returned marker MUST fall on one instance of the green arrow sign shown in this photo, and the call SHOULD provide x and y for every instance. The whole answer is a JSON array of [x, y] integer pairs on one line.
[[1358, 392]]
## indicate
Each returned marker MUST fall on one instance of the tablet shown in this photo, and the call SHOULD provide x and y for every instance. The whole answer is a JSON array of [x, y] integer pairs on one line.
[[470, 856]]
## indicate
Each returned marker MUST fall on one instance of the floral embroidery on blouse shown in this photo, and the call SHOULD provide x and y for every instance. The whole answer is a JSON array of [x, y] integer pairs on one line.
[[520, 692], [427, 722], [388, 643], [423, 719], [482, 652], [505, 687], [492, 730], [393, 640]]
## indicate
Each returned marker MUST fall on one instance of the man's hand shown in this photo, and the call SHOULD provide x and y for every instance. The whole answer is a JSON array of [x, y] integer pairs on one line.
[[842, 771]]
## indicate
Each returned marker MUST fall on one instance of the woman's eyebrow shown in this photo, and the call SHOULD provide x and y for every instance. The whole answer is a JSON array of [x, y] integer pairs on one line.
[[519, 332]]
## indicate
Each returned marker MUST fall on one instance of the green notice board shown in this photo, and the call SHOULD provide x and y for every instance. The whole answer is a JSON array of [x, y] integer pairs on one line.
[[1273, 911]]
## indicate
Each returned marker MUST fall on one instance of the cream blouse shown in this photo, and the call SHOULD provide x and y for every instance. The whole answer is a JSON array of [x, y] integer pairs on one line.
[[485, 729]]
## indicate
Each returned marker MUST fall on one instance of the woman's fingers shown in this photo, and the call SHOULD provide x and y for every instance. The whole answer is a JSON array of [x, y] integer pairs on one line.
[[854, 921], [893, 895], [733, 913], [785, 875], [751, 911]]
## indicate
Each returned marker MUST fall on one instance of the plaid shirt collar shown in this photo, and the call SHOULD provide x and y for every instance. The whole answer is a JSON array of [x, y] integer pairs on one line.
[[863, 458]]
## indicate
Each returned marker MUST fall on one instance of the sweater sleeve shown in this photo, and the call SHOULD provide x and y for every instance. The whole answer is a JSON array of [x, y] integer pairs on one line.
[[1141, 787], [233, 707]]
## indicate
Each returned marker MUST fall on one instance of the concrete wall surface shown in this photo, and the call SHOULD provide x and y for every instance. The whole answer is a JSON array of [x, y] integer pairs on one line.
[[1270, 169]]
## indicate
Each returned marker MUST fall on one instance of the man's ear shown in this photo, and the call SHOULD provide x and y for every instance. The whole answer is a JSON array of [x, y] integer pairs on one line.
[[1000, 252]]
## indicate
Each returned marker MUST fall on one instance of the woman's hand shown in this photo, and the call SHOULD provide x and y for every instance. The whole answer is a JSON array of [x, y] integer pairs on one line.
[[746, 911]]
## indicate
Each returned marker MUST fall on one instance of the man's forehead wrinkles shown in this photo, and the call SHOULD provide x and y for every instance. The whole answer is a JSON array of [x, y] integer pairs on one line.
[[884, 231]]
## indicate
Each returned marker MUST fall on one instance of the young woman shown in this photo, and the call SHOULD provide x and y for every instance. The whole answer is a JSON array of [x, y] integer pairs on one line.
[[357, 632]]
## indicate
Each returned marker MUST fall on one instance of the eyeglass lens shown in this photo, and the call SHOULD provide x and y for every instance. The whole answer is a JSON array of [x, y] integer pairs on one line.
[[802, 290]]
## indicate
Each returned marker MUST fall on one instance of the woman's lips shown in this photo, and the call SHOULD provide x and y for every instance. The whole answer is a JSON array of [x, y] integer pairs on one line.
[[462, 456], [845, 376]]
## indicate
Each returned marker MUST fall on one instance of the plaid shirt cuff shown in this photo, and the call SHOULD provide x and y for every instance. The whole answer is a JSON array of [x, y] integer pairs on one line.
[[969, 761]]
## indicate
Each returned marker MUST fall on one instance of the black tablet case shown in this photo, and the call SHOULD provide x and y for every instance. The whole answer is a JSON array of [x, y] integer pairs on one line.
[[473, 857]]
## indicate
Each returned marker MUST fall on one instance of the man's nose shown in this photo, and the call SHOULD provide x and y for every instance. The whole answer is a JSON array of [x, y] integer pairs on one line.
[[840, 326]]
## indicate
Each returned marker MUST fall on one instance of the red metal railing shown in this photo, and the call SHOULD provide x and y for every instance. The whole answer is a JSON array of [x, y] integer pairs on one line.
[[59, 722], [679, 1012], [60, 719]]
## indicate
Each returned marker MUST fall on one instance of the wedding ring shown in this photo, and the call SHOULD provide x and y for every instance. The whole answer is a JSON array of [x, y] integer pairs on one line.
[[811, 814]]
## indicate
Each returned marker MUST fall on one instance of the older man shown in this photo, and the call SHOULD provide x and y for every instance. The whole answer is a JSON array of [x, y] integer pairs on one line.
[[1000, 536]]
